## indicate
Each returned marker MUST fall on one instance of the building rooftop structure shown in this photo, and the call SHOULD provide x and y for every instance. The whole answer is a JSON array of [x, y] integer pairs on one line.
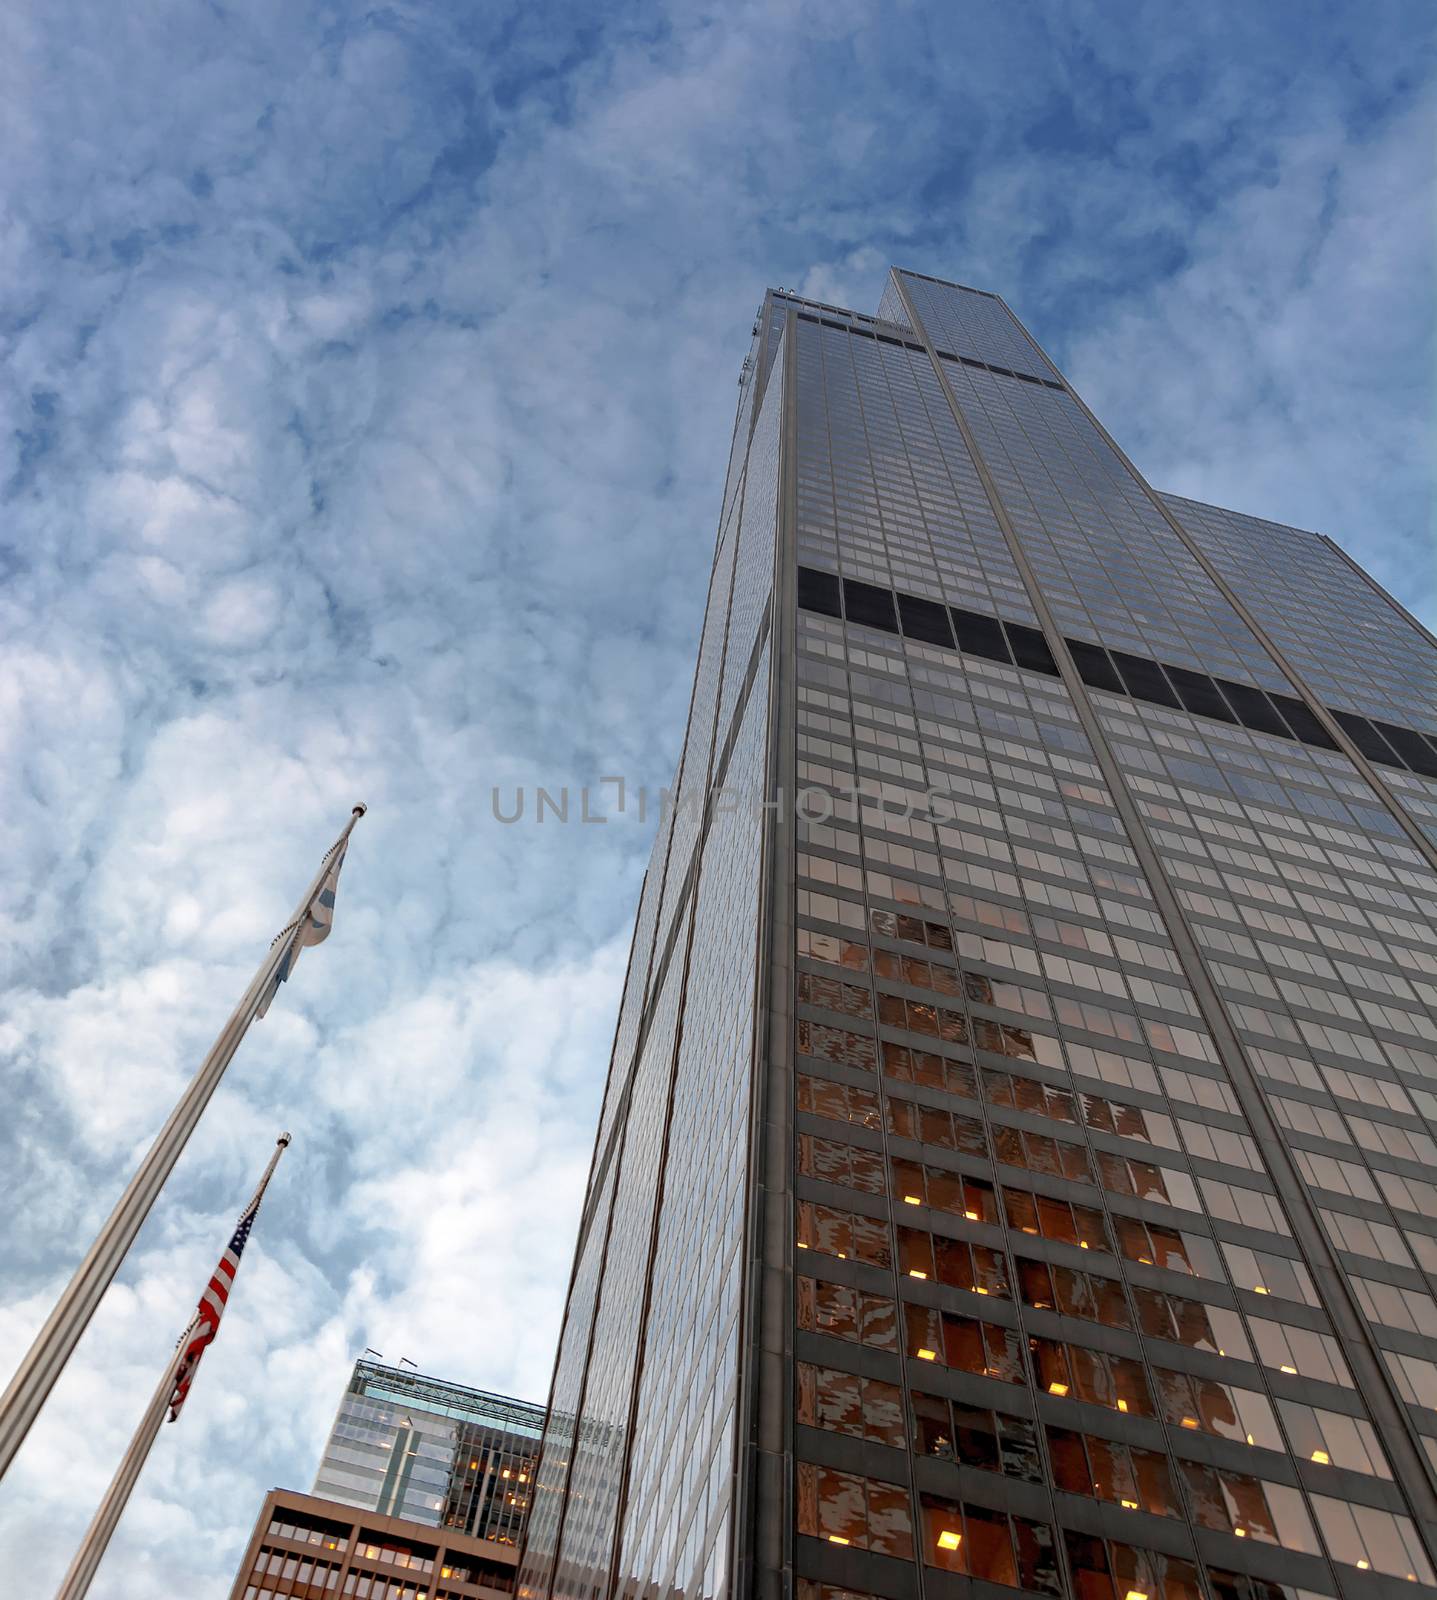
[[408, 1445]]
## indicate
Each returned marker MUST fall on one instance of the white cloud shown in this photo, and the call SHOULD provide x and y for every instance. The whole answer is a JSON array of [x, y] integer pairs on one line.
[[1285, 369]]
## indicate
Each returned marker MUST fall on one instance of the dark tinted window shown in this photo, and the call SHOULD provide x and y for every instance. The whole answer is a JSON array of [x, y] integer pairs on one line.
[[1366, 738], [870, 605], [925, 620], [818, 591], [1094, 667], [1412, 747], [1303, 723], [1254, 709], [1030, 649], [1145, 680], [980, 636], [1199, 694]]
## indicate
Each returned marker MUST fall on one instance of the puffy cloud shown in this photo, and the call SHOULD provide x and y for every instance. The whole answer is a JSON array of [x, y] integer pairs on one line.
[[367, 385], [1286, 369]]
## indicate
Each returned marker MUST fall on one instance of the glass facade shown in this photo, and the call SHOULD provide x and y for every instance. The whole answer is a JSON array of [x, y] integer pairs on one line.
[[1017, 1167], [432, 1452]]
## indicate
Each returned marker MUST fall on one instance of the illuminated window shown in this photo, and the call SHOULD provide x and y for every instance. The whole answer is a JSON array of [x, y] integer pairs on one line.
[[1104, 1569], [989, 1545], [1332, 1438], [1112, 1470], [843, 1508], [1368, 1538], [1248, 1507]]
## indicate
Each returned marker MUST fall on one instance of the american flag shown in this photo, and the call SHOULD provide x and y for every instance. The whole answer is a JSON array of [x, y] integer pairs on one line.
[[206, 1324]]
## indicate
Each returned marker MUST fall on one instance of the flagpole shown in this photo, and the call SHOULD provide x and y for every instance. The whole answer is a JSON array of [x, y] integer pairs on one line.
[[76, 1583], [55, 1343]]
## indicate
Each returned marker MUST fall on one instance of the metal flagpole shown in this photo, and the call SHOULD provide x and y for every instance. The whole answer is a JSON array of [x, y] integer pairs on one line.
[[56, 1341], [76, 1582]]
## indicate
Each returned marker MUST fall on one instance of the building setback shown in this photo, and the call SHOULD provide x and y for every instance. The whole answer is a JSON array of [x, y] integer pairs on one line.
[[1021, 1176], [434, 1452]]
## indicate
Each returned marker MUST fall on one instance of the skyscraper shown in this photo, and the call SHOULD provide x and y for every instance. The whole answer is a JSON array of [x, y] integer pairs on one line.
[[1016, 1167], [421, 1448]]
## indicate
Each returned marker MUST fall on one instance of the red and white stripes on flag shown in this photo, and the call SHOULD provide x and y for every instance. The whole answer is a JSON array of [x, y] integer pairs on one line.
[[206, 1322], [211, 1308]]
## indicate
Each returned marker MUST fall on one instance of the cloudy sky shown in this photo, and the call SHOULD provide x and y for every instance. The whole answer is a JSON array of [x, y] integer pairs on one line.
[[367, 380]]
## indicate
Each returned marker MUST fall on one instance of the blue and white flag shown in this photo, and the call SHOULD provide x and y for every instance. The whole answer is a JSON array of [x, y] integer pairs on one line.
[[312, 927]]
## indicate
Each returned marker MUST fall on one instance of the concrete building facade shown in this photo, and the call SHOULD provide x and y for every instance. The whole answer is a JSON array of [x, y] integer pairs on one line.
[[307, 1548]]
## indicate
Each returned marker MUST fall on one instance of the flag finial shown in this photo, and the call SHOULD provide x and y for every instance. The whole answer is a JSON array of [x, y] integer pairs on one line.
[[359, 809], [283, 1141]]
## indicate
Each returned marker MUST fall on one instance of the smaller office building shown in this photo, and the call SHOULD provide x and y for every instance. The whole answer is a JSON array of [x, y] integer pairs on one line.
[[306, 1548], [406, 1445]]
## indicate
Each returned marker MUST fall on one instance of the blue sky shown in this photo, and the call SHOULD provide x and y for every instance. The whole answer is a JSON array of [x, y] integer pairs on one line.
[[367, 379]]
